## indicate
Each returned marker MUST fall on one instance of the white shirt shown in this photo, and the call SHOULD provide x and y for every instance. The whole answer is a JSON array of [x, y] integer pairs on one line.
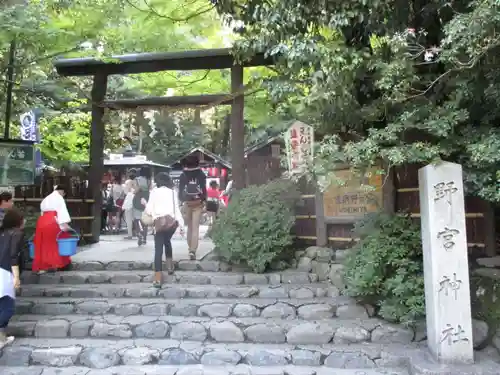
[[128, 189], [228, 188], [55, 202], [163, 202], [116, 191], [7, 284]]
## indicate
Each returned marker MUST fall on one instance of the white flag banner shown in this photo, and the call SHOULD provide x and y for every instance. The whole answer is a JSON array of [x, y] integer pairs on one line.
[[299, 139], [29, 127]]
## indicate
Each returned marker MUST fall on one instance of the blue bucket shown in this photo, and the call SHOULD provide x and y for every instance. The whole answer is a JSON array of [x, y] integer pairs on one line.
[[67, 246], [31, 245]]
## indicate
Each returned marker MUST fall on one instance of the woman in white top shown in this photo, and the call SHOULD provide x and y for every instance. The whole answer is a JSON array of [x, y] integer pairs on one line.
[[115, 193], [54, 220], [128, 189], [163, 203]]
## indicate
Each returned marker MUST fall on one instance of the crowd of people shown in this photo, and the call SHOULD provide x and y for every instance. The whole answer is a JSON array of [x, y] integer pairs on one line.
[[141, 201]]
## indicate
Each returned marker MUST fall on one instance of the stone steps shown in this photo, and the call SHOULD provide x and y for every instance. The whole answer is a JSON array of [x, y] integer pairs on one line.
[[220, 330], [315, 308], [196, 370], [144, 290], [198, 277], [188, 265], [100, 353]]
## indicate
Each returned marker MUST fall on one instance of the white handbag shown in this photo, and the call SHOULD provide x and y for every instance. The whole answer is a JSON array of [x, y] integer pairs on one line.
[[147, 219]]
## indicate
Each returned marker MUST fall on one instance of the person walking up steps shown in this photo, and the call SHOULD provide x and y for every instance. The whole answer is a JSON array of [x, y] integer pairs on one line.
[[11, 247], [192, 195], [129, 188], [162, 209], [141, 197]]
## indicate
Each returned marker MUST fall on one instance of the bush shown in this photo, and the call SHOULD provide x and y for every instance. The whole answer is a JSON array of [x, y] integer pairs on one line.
[[255, 229], [386, 267]]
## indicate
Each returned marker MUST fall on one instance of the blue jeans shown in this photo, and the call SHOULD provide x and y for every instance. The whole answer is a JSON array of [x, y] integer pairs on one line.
[[7, 307]]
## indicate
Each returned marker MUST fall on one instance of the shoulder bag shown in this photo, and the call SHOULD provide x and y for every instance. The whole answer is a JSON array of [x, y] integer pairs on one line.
[[167, 222]]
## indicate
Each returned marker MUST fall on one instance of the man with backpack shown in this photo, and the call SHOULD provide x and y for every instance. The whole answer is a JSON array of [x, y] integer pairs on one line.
[[192, 195]]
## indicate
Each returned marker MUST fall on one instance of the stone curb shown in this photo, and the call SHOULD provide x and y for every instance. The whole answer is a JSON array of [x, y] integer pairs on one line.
[[196, 370], [219, 330], [180, 277], [143, 290], [137, 357], [186, 265]]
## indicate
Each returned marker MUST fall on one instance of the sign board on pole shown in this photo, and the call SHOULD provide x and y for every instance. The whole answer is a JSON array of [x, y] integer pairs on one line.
[[17, 163], [299, 139]]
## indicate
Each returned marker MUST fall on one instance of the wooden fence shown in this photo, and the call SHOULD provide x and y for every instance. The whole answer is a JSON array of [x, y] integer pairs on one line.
[[329, 217], [28, 199]]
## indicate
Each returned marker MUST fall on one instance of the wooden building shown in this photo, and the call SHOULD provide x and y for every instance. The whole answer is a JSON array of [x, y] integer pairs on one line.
[[263, 160]]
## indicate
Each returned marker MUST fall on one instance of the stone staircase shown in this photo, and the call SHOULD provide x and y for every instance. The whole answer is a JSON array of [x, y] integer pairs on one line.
[[104, 319]]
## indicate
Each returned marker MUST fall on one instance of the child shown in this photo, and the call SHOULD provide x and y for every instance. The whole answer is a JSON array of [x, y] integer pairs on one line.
[[11, 247]]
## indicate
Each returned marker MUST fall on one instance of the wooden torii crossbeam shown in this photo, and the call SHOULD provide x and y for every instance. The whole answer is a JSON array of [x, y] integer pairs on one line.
[[155, 62]]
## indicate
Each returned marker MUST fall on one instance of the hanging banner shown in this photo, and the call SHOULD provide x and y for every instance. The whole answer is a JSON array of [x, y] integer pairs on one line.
[[30, 132], [299, 140]]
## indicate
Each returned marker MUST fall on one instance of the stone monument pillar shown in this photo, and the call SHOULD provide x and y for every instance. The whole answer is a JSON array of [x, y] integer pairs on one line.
[[446, 267]]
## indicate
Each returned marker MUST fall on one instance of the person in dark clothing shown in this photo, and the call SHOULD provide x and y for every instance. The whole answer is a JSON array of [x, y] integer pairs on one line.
[[6, 202], [192, 195], [11, 247], [104, 208]]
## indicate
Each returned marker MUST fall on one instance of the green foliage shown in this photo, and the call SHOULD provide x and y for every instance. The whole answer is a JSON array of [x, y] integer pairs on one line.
[[386, 268], [485, 299], [255, 229], [66, 137], [44, 30], [400, 81]]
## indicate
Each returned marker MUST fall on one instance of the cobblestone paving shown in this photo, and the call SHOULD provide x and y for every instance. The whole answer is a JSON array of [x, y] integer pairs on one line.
[[257, 330], [104, 318], [97, 353], [180, 277], [281, 308]]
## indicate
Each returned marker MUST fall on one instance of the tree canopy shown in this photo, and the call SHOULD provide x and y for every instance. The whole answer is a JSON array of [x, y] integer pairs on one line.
[[402, 81], [44, 30]]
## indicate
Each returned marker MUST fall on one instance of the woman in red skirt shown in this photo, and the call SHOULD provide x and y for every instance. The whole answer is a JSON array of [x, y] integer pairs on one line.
[[54, 220]]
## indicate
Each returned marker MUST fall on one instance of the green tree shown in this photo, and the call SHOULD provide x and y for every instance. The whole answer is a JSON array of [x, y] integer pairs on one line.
[[405, 82], [44, 30]]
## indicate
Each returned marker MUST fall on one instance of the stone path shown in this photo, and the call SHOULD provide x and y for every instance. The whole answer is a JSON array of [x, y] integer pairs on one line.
[[114, 247], [105, 318]]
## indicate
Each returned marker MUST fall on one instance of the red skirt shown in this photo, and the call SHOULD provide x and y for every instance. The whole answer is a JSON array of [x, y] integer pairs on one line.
[[46, 248]]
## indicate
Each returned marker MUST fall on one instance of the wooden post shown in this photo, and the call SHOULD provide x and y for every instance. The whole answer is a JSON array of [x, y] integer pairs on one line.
[[389, 191], [490, 230], [9, 88], [237, 129], [96, 154], [321, 225]]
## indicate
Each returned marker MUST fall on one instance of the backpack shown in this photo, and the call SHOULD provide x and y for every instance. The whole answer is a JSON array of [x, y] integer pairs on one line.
[[192, 190], [142, 192]]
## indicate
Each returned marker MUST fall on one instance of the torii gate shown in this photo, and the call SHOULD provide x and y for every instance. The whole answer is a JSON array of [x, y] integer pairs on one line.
[[155, 62]]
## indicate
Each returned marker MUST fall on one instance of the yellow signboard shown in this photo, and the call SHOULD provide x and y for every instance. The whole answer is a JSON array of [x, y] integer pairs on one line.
[[355, 198]]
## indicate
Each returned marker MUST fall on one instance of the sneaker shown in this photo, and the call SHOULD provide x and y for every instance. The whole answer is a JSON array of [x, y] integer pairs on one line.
[[5, 340], [157, 284], [192, 255]]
